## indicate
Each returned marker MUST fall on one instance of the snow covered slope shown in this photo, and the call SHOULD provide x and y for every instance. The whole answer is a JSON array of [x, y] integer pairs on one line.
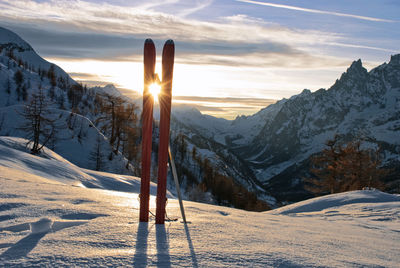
[[51, 168], [327, 204], [44, 222], [77, 140], [74, 105]]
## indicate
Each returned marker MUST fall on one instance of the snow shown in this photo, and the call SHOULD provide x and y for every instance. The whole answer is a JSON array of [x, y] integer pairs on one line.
[[53, 168], [76, 144], [338, 200], [47, 221], [41, 226]]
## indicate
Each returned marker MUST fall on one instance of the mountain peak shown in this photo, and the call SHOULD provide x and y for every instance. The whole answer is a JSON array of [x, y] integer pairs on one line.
[[356, 65], [8, 37], [395, 59], [355, 70]]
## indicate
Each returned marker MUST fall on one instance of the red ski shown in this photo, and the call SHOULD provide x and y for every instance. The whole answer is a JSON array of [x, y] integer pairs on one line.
[[149, 60], [165, 114]]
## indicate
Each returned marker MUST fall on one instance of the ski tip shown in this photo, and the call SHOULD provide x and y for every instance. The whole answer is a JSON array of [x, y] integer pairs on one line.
[[169, 42], [148, 40]]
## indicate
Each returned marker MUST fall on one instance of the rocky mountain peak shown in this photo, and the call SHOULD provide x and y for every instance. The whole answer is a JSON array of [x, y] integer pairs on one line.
[[356, 68], [352, 78], [395, 59]]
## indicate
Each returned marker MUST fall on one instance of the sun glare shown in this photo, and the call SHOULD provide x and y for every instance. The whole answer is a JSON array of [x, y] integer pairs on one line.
[[155, 90]]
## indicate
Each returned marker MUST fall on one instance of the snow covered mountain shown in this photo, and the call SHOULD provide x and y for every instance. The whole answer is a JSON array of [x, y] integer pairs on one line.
[[19, 49], [277, 142], [360, 104], [22, 73], [59, 223]]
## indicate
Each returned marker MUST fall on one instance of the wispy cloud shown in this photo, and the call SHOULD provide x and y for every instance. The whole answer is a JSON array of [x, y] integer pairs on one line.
[[199, 5], [111, 32], [228, 107], [316, 11], [364, 47], [106, 18], [227, 100]]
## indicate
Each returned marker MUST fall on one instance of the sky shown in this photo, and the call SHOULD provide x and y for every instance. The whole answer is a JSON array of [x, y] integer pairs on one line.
[[232, 57]]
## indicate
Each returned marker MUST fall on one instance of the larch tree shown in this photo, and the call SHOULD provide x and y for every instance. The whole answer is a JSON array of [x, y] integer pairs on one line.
[[346, 167], [39, 125]]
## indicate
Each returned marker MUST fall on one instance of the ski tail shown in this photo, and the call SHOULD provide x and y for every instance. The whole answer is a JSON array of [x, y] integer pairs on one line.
[[149, 60], [165, 116]]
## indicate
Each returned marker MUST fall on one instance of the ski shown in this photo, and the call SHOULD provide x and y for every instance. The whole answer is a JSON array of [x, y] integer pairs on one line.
[[165, 114], [149, 60]]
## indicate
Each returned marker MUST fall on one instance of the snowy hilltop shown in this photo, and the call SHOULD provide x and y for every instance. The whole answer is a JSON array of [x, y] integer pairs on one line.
[[59, 222]]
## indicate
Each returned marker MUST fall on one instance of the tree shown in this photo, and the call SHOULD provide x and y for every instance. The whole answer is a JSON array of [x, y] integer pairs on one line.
[[75, 93], [109, 108], [97, 155], [18, 79], [345, 167], [24, 92], [8, 85], [39, 125], [51, 75]]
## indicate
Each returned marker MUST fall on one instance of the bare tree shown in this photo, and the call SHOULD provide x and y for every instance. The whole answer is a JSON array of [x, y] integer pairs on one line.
[[118, 121], [97, 155], [39, 124]]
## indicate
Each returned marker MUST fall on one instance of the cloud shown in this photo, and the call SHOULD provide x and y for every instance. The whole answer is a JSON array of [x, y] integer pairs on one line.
[[364, 47], [90, 45], [316, 11], [293, 59], [199, 5], [227, 107], [227, 100], [202, 43], [82, 75], [106, 18]]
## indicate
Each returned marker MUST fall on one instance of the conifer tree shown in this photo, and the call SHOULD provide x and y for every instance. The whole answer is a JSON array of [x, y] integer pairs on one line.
[[345, 167]]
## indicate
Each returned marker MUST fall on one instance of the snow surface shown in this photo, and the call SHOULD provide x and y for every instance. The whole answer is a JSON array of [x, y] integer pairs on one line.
[[52, 168], [45, 220]]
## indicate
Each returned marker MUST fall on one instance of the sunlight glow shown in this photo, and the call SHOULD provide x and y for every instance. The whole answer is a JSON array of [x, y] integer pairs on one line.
[[155, 90]]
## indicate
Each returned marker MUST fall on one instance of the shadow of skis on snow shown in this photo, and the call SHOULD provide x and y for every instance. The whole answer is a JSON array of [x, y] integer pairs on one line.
[[163, 258], [191, 248], [140, 258], [162, 244], [38, 230]]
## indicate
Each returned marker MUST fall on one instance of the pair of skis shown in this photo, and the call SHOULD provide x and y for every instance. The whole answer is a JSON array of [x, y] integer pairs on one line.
[[165, 97]]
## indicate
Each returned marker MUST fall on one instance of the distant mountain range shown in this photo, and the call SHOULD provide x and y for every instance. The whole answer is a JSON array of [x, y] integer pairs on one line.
[[277, 142], [266, 153]]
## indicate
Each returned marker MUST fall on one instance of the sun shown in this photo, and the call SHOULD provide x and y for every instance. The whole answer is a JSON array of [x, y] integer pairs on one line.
[[155, 90]]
